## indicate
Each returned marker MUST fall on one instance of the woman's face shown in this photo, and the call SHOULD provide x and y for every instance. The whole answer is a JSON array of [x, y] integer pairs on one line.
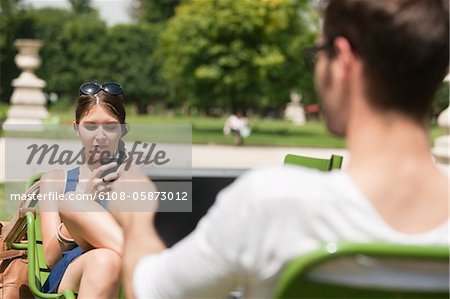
[[99, 133]]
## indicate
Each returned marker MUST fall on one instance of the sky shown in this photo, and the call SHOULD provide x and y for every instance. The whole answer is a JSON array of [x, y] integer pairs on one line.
[[112, 11]]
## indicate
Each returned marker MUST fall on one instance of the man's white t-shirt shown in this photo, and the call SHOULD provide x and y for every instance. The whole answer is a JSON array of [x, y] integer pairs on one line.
[[265, 219]]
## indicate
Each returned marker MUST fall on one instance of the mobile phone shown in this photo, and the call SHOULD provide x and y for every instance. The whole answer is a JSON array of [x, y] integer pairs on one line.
[[119, 159]]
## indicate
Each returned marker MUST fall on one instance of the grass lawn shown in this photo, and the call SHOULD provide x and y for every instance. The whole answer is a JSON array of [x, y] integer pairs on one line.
[[9, 207]]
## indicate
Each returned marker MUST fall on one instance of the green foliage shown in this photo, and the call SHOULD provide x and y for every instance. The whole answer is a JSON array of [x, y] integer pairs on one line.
[[216, 53], [81, 6], [72, 43], [130, 57], [3, 111], [154, 11], [71, 47], [79, 47], [83, 43], [441, 99], [238, 53], [9, 11]]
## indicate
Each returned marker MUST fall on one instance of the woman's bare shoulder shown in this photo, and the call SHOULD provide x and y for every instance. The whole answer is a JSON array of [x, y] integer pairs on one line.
[[53, 174], [51, 181], [54, 178]]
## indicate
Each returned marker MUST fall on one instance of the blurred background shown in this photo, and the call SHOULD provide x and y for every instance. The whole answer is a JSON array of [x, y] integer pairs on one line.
[[190, 62], [193, 61]]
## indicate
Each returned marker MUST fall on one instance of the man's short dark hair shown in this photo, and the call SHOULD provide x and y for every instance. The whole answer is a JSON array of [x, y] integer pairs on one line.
[[404, 46]]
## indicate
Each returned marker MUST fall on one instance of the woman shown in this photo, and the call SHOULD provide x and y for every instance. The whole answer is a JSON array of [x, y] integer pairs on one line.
[[84, 249]]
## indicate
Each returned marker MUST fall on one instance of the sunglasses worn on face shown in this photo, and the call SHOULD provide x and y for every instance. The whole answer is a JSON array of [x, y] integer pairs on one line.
[[91, 88], [310, 54]]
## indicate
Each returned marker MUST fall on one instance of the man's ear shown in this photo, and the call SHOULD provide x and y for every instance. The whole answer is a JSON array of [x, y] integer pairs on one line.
[[75, 128], [345, 57]]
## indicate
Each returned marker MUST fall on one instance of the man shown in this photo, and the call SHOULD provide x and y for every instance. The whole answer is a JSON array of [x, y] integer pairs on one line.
[[379, 66]]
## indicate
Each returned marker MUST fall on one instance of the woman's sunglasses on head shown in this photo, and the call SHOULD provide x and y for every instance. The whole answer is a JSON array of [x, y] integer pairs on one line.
[[91, 88]]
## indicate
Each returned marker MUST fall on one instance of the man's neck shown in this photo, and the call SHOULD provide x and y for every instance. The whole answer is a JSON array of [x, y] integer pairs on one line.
[[380, 143], [392, 166]]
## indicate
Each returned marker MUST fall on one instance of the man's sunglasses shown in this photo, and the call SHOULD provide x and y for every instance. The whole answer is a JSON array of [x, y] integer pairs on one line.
[[91, 88], [310, 54]]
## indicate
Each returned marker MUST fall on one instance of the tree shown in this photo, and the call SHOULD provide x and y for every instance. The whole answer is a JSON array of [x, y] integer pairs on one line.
[[73, 41], [73, 45], [47, 24], [132, 61], [10, 11], [154, 11], [79, 47], [238, 53], [81, 6], [83, 42]]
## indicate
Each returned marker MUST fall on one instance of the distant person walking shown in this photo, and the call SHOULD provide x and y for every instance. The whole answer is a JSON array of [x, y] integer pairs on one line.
[[237, 125]]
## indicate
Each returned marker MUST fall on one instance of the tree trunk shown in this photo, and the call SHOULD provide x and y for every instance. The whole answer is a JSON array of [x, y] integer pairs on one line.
[[141, 107], [233, 100]]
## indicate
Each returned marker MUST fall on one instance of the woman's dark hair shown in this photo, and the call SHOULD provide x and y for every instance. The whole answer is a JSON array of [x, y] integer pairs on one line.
[[404, 46], [113, 104]]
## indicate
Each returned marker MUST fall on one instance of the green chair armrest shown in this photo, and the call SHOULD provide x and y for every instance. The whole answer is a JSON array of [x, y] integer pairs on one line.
[[32, 264]]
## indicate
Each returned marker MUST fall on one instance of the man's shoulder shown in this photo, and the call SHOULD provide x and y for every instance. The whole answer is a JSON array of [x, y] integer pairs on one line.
[[286, 182], [287, 174]]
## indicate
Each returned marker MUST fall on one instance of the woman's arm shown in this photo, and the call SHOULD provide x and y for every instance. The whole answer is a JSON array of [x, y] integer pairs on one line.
[[94, 228], [91, 226], [51, 182]]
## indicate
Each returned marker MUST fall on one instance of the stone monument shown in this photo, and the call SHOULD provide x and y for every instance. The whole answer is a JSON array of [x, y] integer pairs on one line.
[[28, 100], [294, 111], [441, 150]]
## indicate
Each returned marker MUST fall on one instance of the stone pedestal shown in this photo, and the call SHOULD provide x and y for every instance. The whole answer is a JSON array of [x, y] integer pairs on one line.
[[441, 150], [28, 100]]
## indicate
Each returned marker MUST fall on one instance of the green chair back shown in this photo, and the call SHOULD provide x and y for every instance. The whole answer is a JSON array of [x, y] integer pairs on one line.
[[38, 271], [41, 269], [398, 263], [335, 162], [37, 267]]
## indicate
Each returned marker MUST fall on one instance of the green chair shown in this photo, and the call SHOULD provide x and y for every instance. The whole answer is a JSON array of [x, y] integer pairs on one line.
[[27, 221], [335, 162], [37, 268], [369, 270]]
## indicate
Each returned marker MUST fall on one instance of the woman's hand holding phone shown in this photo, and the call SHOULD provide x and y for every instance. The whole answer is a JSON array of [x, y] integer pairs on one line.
[[99, 182]]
